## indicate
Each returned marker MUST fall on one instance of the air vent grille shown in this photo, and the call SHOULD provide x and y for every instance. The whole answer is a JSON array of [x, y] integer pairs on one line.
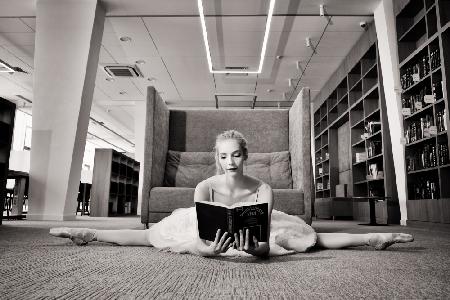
[[122, 71], [236, 69]]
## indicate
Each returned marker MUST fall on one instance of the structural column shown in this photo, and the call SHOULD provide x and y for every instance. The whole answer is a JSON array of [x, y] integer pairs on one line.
[[140, 115], [68, 39], [387, 48]]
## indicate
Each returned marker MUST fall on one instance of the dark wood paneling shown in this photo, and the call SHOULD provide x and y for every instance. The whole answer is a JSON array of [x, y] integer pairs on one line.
[[343, 133]]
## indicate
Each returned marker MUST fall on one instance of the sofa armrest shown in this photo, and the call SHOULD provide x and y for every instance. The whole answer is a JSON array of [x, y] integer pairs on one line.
[[300, 148], [155, 148]]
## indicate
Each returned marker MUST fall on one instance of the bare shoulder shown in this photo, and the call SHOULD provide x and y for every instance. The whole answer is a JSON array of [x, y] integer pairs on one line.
[[203, 187], [262, 186], [265, 188], [265, 193], [202, 191]]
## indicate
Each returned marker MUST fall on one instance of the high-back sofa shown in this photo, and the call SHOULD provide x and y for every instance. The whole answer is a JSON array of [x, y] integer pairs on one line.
[[179, 153]]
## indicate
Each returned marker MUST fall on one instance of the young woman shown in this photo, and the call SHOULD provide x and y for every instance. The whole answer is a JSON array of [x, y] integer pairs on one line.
[[178, 232]]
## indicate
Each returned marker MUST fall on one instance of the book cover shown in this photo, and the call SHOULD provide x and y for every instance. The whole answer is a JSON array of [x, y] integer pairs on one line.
[[213, 215]]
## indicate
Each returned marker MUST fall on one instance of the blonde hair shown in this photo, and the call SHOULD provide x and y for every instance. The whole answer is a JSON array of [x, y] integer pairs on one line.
[[230, 135]]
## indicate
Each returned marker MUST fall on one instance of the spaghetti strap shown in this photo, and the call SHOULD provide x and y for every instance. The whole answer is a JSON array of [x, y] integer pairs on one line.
[[211, 193], [257, 191]]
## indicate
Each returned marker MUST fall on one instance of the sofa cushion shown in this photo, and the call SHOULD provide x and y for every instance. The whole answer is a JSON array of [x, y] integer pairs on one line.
[[167, 199], [272, 168], [187, 169], [289, 201]]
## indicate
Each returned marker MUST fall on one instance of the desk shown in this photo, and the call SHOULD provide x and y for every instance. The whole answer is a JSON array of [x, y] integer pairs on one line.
[[372, 215], [332, 207]]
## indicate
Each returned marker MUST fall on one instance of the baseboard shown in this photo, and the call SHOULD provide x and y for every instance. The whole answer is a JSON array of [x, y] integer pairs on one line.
[[41, 217], [429, 225]]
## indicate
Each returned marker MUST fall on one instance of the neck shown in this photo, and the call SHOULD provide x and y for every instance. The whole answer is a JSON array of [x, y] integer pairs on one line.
[[234, 181]]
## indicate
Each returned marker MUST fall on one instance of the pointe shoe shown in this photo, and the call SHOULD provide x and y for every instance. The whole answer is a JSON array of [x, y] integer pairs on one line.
[[80, 236], [381, 241]]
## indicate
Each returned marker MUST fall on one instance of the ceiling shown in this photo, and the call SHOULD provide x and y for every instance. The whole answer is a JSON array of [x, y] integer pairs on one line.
[[167, 36]]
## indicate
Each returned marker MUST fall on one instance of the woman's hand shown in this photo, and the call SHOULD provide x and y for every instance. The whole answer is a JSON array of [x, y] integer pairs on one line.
[[219, 245], [242, 243]]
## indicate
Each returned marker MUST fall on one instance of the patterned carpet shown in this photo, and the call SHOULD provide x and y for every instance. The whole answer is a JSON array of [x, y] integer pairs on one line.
[[35, 265]]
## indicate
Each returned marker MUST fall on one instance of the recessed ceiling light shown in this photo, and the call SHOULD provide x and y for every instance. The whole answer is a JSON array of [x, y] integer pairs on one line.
[[4, 67], [279, 56], [263, 49], [109, 79], [151, 79], [125, 39], [269, 90], [140, 62]]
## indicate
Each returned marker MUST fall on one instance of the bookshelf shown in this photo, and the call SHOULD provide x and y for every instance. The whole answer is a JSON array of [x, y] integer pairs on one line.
[[424, 52], [115, 182], [84, 191], [357, 102], [7, 115]]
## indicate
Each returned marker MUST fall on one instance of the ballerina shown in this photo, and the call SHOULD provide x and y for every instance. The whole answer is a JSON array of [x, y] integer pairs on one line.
[[178, 232]]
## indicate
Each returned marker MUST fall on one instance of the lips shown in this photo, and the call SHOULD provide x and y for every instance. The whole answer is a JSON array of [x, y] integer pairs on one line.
[[231, 169]]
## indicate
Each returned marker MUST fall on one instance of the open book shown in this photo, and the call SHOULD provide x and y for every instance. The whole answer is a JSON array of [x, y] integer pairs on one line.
[[213, 215]]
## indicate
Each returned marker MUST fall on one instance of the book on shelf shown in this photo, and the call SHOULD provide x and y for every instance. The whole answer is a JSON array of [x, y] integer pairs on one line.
[[372, 127], [212, 216], [360, 156]]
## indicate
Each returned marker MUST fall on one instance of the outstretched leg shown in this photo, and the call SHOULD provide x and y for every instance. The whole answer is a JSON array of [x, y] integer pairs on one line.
[[124, 237], [378, 240]]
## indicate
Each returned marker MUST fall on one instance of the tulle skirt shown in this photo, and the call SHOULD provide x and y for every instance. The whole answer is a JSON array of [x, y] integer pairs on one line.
[[178, 233]]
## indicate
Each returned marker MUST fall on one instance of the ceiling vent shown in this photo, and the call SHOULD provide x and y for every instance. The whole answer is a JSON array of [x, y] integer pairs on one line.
[[120, 70], [240, 69]]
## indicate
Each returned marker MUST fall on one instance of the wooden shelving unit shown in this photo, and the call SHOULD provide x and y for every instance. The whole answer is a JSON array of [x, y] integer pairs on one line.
[[424, 52], [115, 184], [358, 101], [84, 191], [7, 115]]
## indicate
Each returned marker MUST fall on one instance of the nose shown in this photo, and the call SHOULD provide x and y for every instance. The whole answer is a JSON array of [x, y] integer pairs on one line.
[[230, 160]]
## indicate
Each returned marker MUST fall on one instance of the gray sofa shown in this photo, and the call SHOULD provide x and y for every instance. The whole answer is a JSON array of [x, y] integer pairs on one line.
[[178, 153]]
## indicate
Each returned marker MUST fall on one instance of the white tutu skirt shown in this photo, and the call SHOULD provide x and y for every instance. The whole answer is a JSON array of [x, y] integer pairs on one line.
[[178, 233]]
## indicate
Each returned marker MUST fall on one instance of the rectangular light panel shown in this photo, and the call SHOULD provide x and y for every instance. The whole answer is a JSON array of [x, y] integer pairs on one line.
[[263, 50], [5, 68]]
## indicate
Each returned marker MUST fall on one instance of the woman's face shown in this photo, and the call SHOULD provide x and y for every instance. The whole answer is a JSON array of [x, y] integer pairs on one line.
[[231, 157]]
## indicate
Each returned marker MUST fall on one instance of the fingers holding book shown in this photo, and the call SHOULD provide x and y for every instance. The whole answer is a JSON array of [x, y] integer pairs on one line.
[[242, 240], [221, 243]]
